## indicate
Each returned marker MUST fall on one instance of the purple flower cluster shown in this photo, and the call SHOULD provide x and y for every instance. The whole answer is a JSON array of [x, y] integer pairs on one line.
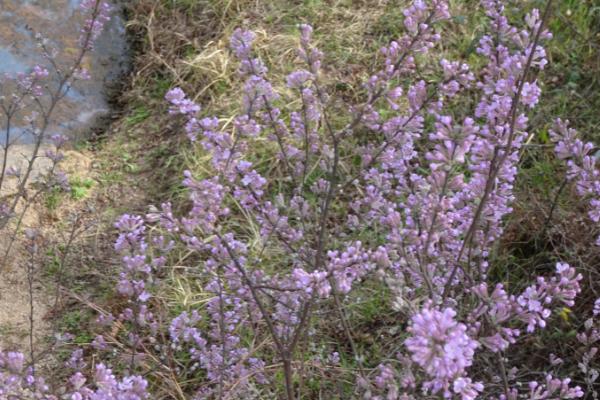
[[98, 13], [17, 381], [441, 346], [581, 165], [552, 388]]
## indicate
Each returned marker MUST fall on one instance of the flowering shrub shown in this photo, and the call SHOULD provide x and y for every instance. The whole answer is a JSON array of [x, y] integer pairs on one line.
[[401, 188], [407, 190]]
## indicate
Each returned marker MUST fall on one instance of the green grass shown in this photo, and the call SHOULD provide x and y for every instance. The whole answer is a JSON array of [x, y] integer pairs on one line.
[[76, 323], [79, 190], [80, 187], [52, 199], [137, 116]]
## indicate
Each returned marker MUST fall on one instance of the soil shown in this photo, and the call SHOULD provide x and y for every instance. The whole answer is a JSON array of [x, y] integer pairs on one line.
[[15, 299]]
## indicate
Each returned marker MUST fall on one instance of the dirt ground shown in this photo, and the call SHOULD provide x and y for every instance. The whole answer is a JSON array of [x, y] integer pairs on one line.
[[15, 300]]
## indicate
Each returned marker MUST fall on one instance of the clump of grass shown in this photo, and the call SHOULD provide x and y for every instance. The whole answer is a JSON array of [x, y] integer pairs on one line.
[[80, 187]]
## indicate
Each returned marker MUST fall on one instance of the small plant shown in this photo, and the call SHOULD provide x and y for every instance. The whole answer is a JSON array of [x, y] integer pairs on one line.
[[80, 187]]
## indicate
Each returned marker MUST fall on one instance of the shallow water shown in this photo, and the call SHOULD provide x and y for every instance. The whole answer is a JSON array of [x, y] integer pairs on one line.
[[59, 21]]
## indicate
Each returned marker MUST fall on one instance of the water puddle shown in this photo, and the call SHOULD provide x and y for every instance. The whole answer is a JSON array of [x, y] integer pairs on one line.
[[59, 21]]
